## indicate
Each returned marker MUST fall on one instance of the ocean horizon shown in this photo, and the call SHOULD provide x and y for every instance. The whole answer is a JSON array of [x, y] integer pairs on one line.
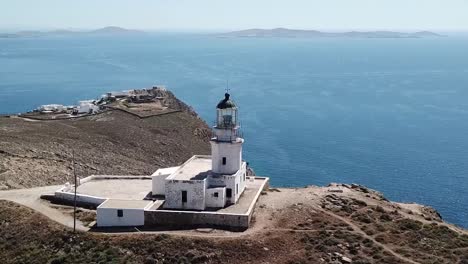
[[390, 114]]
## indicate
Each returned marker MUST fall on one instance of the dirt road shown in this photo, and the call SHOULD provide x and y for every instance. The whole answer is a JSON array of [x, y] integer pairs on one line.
[[31, 199]]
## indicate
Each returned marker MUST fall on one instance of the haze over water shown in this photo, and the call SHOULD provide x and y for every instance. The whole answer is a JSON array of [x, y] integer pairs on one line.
[[390, 114]]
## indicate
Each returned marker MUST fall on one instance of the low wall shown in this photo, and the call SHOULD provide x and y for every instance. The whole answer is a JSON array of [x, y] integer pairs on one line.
[[82, 199], [195, 219], [143, 116], [66, 195], [110, 177]]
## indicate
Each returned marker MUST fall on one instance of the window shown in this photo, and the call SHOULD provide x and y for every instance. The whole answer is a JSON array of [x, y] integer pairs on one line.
[[119, 213], [237, 188], [228, 192], [184, 196], [227, 120], [224, 160], [215, 194], [244, 176]]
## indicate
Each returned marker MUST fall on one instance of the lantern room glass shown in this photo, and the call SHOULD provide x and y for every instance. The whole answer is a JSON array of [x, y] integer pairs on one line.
[[227, 118]]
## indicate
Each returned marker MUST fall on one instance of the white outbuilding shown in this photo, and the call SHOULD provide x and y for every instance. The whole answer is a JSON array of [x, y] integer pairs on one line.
[[114, 212], [52, 108], [159, 180], [88, 107]]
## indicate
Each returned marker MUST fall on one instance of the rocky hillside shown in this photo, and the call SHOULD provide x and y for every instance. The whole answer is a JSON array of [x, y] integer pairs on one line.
[[303, 225], [35, 153]]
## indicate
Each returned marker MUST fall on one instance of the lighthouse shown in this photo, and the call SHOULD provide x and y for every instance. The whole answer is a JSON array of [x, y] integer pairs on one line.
[[226, 143], [204, 181]]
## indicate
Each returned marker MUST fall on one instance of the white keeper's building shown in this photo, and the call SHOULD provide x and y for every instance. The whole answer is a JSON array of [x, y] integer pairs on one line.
[[205, 182]]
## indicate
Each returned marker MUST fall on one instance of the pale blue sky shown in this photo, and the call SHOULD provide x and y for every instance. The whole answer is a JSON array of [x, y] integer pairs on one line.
[[236, 14]]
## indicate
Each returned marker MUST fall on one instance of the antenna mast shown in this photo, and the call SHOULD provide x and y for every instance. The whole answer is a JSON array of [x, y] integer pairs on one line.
[[227, 86], [74, 198]]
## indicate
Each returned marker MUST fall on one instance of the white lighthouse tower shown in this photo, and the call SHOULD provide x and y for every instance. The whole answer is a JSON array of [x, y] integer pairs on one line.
[[203, 181], [226, 144]]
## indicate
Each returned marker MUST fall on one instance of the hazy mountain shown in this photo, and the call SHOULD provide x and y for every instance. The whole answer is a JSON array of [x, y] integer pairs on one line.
[[297, 33], [114, 30], [8, 35], [426, 34], [62, 32]]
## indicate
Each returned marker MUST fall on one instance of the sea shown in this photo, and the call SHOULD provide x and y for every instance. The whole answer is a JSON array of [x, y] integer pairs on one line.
[[390, 114]]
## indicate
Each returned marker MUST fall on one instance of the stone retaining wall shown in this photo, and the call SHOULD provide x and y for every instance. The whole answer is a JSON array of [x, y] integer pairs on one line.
[[195, 219]]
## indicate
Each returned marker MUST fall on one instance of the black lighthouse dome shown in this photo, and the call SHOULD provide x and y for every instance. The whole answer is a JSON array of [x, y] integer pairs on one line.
[[226, 102]]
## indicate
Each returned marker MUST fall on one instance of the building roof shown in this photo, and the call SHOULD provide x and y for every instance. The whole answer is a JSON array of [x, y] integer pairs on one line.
[[226, 102], [165, 171], [196, 168], [125, 204]]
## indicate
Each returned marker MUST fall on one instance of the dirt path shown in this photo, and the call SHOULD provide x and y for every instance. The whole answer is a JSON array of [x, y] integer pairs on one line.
[[31, 199], [362, 233]]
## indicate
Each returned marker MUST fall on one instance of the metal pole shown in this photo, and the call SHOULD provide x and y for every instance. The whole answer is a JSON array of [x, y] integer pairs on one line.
[[74, 199]]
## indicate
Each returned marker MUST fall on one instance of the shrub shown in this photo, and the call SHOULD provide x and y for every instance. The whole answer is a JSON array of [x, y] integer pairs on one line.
[[385, 217], [379, 209], [364, 218], [360, 203], [408, 224]]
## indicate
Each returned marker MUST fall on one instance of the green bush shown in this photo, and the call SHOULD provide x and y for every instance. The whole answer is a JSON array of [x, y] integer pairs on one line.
[[408, 224]]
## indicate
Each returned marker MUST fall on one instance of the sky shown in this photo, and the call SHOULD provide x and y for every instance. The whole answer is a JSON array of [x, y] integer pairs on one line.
[[334, 15]]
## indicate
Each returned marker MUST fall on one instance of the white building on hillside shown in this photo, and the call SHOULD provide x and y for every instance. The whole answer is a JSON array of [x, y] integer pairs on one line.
[[88, 106], [115, 212], [52, 108], [208, 181]]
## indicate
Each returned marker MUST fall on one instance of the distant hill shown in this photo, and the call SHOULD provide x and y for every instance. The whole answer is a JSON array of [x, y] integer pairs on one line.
[[63, 32], [8, 35], [114, 30], [298, 33]]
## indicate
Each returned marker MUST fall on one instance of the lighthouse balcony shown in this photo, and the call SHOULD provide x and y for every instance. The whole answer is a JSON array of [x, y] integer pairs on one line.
[[224, 135], [228, 139]]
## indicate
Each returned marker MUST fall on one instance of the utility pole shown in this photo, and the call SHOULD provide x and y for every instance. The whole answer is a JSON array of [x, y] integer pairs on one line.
[[74, 199]]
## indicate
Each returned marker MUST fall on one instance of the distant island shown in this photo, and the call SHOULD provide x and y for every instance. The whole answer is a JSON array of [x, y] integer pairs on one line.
[[298, 33], [63, 32]]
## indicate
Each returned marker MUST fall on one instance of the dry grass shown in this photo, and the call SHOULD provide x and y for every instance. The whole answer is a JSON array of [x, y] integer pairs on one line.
[[300, 232], [424, 242], [51, 243]]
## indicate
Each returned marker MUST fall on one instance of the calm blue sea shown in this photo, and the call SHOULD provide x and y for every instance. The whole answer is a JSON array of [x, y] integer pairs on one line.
[[391, 114]]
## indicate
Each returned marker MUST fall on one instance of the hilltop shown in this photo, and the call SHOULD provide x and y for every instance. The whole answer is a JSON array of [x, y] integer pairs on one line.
[[297, 33], [36, 153]]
